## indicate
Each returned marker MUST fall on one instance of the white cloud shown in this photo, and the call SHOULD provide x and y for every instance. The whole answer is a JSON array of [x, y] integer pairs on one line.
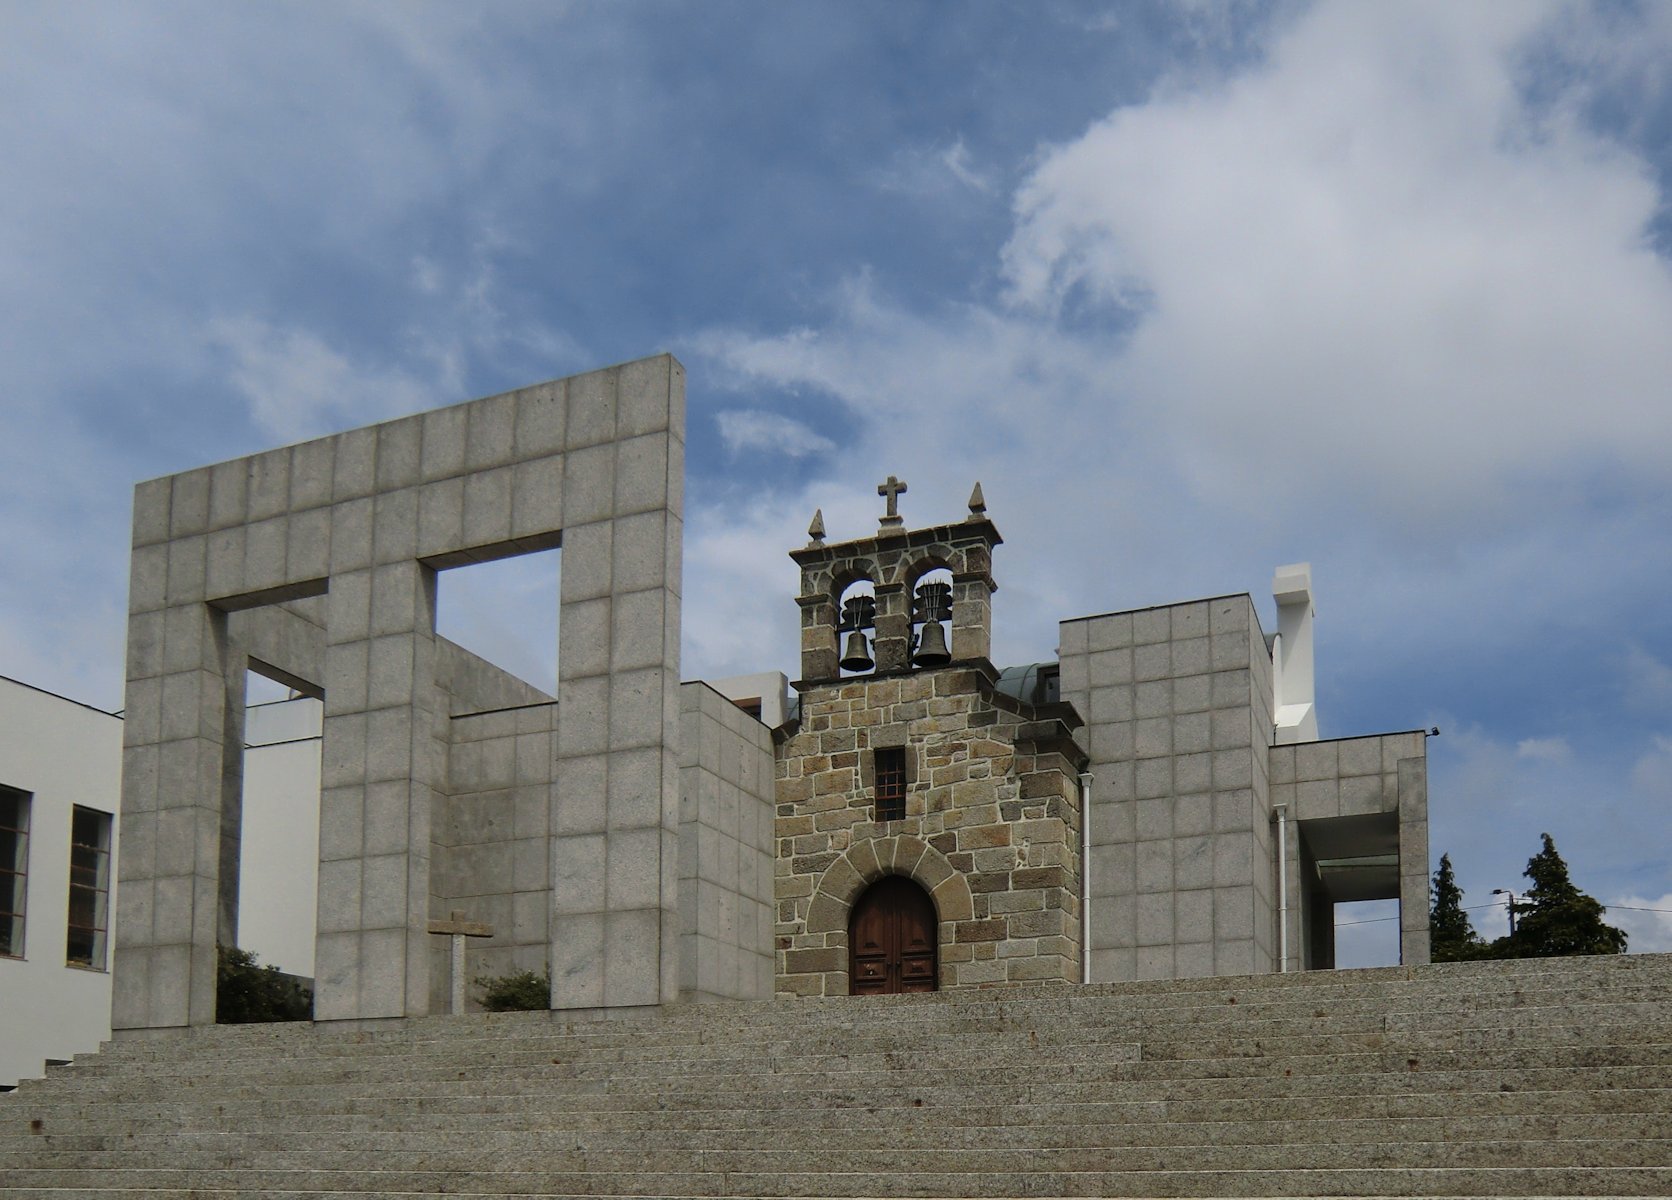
[[959, 164], [1648, 681], [1545, 749], [1651, 775], [933, 171], [297, 386], [1647, 921], [747, 430], [1371, 264]]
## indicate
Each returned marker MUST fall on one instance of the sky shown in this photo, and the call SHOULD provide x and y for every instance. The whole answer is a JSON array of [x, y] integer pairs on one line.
[[1193, 289]]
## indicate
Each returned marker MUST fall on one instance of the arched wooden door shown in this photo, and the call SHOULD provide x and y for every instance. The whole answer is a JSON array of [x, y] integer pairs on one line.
[[891, 940]]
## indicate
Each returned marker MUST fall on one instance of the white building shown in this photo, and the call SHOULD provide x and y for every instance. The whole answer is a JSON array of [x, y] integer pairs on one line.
[[60, 780], [60, 767]]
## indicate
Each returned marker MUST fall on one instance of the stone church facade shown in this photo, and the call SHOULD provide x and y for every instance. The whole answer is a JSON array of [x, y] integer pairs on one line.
[[1152, 804]]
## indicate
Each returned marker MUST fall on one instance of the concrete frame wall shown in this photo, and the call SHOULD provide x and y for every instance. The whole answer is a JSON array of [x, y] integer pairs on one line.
[[366, 518], [1177, 736], [1355, 777], [727, 805]]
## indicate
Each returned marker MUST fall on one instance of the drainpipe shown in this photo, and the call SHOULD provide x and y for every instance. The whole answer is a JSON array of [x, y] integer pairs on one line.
[[1085, 877], [1282, 887]]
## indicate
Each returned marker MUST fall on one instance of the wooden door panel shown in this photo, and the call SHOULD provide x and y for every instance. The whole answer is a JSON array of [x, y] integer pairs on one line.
[[892, 940]]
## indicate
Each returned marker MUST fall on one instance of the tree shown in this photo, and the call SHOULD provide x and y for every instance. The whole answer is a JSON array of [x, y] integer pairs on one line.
[[520, 991], [1451, 937], [246, 993], [1556, 918]]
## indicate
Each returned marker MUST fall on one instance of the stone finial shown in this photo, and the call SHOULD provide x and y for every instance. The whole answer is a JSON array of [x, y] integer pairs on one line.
[[815, 531], [978, 502], [892, 488]]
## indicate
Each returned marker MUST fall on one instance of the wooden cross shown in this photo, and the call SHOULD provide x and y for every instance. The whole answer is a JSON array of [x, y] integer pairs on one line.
[[892, 489], [459, 929]]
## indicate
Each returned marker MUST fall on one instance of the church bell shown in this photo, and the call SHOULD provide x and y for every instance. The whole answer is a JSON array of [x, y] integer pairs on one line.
[[931, 646], [932, 605], [857, 655], [859, 613]]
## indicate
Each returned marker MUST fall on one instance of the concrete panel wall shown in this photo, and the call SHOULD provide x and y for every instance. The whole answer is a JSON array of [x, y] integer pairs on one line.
[[493, 859], [1177, 734], [366, 518], [726, 848], [615, 803]]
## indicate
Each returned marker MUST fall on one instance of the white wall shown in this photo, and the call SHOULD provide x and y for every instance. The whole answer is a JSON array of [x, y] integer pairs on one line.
[[278, 872], [771, 688], [65, 754]]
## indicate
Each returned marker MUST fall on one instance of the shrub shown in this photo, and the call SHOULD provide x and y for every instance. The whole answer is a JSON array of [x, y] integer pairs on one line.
[[520, 991], [247, 994]]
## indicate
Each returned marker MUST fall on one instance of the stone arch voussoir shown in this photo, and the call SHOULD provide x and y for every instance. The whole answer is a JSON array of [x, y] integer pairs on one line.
[[862, 865]]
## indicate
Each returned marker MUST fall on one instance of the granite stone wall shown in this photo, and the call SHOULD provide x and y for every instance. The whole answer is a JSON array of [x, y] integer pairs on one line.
[[991, 829]]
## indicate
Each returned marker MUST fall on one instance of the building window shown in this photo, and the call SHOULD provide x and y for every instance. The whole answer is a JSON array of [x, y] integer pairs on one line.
[[89, 888], [891, 783], [14, 869]]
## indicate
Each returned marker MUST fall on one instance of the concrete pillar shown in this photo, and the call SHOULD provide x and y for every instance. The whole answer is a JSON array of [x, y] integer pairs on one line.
[[380, 771], [175, 755]]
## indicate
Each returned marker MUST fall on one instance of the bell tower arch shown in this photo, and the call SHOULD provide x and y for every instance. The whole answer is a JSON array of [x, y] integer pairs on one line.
[[957, 558]]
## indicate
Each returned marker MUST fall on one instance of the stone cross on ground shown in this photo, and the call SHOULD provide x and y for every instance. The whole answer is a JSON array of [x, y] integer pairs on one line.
[[459, 929], [892, 489]]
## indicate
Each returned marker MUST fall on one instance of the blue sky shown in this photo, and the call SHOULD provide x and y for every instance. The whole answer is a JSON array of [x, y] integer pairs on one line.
[[1193, 289]]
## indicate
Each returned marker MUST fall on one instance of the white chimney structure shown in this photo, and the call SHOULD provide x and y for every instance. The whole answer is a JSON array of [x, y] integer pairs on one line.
[[1295, 713]]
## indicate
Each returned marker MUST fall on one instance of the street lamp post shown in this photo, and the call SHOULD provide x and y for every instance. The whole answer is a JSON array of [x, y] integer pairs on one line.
[[1511, 895]]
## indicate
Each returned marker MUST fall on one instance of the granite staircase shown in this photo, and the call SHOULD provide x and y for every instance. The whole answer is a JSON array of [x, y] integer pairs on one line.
[[1480, 1079]]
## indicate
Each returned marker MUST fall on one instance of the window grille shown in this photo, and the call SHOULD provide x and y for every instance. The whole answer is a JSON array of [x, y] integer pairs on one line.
[[891, 783]]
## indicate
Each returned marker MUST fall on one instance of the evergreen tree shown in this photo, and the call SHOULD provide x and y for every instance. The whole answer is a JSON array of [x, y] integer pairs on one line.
[[1555, 917], [1451, 937]]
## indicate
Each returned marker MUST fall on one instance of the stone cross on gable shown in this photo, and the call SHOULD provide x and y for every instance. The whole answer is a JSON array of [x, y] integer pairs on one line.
[[892, 489]]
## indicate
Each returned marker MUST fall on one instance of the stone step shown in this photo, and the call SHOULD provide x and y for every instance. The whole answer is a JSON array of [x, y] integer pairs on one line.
[[1579, 1180], [1505, 1047], [465, 1117], [1465, 1079], [334, 1169], [556, 1090], [696, 1111], [880, 1087], [179, 1052], [555, 1076], [1570, 979], [625, 1048], [894, 1134]]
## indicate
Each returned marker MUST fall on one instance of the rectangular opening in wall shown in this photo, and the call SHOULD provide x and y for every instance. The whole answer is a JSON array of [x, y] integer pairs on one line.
[[891, 783], [89, 918], [1367, 933], [278, 850], [14, 869], [504, 613]]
